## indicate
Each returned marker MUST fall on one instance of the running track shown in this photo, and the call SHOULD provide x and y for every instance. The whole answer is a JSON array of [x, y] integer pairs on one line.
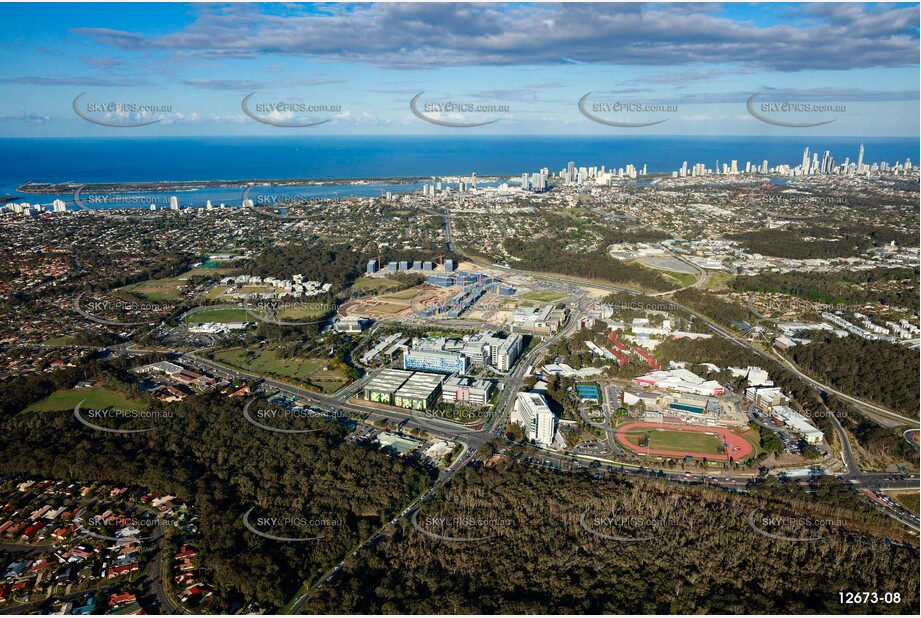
[[735, 445]]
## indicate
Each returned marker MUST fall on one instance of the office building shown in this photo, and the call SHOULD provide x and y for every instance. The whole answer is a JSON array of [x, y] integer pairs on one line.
[[418, 392], [372, 267], [466, 390], [384, 386], [450, 265], [533, 414], [441, 361]]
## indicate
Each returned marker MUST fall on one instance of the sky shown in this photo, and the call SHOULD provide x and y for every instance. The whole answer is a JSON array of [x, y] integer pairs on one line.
[[131, 70]]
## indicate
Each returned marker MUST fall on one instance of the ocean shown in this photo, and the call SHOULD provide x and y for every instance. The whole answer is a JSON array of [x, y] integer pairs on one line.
[[88, 160]]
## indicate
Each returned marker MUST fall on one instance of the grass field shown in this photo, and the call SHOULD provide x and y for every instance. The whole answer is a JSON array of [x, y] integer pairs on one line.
[[329, 381], [95, 396], [910, 500], [221, 316], [404, 294], [718, 280], [267, 362], [60, 340], [216, 292], [156, 289], [171, 287], [388, 308], [256, 289], [685, 279], [693, 442], [368, 283], [543, 297], [204, 271]]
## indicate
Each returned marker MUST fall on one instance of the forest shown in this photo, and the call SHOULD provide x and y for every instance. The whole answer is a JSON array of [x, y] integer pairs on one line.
[[543, 256], [896, 287], [891, 379], [536, 555], [823, 242], [208, 454]]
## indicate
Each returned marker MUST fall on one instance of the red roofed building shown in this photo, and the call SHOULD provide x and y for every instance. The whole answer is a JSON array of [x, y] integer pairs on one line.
[[653, 364], [122, 598], [612, 337], [621, 359], [122, 570]]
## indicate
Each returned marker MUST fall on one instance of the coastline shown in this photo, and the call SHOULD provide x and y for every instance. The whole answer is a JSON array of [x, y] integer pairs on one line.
[[40, 188]]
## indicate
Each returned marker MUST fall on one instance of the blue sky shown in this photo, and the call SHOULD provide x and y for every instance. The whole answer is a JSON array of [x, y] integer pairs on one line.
[[697, 65]]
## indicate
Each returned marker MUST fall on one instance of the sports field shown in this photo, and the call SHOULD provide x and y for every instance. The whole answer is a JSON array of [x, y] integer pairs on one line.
[[96, 397], [713, 443], [221, 316], [543, 297]]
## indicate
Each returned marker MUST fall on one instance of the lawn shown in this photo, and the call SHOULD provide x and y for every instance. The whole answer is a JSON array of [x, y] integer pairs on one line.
[[156, 289], [171, 287], [910, 500], [369, 283], [543, 297], [718, 280], [293, 313], [329, 381], [221, 316], [96, 397], [404, 294], [685, 279], [687, 441], [204, 271], [388, 308], [216, 292], [59, 340], [267, 362], [257, 289]]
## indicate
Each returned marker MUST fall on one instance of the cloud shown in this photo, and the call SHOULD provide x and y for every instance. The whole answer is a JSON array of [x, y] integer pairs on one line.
[[240, 85], [405, 35], [41, 80], [29, 118], [249, 85]]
